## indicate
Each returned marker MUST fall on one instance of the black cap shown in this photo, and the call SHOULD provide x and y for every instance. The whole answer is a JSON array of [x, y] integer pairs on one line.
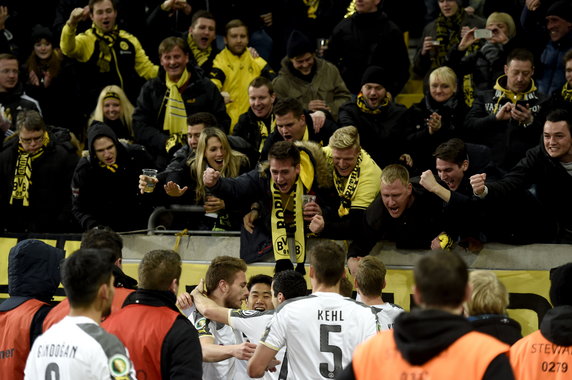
[[561, 285], [39, 32], [562, 9], [299, 44], [374, 74]]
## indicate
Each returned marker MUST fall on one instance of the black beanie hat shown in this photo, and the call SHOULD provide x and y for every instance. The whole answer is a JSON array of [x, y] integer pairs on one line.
[[39, 32], [374, 74], [561, 285], [562, 9], [299, 44]]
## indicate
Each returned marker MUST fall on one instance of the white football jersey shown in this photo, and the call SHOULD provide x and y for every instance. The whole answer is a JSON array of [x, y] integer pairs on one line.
[[321, 332], [223, 335], [386, 314], [78, 348], [252, 324]]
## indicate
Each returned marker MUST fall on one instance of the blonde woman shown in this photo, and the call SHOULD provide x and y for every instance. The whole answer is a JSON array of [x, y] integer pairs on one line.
[[115, 110], [486, 309], [213, 151]]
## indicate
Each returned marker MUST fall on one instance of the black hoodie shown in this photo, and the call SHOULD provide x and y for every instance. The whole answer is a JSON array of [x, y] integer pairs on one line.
[[104, 197]]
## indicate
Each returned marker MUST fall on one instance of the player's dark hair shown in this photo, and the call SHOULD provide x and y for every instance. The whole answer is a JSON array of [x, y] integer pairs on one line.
[[259, 279], [519, 54], [328, 261], [262, 81], [290, 283], [223, 268], [441, 278], [103, 239], [84, 272], [201, 14], [453, 150], [159, 268], [557, 115]]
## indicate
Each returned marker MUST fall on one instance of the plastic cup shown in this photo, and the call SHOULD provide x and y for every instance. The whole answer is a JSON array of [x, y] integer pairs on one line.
[[307, 198], [150, 186]]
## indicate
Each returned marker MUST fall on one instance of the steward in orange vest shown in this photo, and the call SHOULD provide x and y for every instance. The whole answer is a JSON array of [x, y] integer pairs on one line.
[[547, 353], [162, 342], [436, 341], [33, 277]]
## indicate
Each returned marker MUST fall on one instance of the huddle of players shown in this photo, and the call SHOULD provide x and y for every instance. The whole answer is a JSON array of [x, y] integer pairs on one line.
[[306, 337]]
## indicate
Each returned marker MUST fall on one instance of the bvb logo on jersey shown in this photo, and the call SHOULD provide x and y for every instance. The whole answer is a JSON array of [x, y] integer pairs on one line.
[[123, 45], [119, 366]]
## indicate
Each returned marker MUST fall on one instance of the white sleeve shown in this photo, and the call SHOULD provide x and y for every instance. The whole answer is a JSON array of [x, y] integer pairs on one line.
[[275, 333]]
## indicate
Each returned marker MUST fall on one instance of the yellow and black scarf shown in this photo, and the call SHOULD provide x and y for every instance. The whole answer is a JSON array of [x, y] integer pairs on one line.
[[312, 7], [264, 132], [364, 107], [201, 56], [278, 222], [112, 168], [346, 192], [566, 92], [175, 112], [106, 42], [23, 174], [448, 33]]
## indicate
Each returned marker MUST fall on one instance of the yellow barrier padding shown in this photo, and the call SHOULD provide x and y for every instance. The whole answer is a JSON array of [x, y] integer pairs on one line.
[[71, 246], [5, 245]]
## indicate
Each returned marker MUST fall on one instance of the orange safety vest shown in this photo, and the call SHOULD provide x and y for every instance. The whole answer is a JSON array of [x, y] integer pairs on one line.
[[15, 326], [470, 355], [63, 308], [535, 357], [142, 329]]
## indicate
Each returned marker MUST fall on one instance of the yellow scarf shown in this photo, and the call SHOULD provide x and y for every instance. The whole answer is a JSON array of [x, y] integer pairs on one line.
[[364, 107], [23, 174], [264, 132], [278, 222], [201, 56], [106, 42], [175, 113], [312, 7], [348, 191], [112, 168], [567, 92]]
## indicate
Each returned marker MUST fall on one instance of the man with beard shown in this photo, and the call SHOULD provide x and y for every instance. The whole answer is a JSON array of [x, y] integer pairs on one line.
[[222, 346], [162, 342], [77, 345], [235, 67]]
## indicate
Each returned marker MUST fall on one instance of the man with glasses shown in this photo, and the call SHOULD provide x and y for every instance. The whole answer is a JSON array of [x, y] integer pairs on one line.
[[36, 170], [12, 96]]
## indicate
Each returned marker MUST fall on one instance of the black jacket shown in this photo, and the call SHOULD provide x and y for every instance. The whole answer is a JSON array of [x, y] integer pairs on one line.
[[362, 40], [508, 139], [50, 194], [553, 187], [15, 101], [101, 197], [181, 355], [502, 327], [381, 135], [417, 226], [199, 95]]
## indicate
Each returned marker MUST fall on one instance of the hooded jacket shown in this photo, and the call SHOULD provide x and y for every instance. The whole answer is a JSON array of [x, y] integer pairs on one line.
[[14, 101], [33, 277], [325, 83], [104, 197], [508, 139], [422, 336]]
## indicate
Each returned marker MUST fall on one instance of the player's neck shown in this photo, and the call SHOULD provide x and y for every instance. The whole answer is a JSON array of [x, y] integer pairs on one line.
[[371, 301], [88, 312], [217, 297], [318, 287]]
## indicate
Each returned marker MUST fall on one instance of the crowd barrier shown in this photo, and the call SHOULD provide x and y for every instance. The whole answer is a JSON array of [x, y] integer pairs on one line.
[[523, 270]]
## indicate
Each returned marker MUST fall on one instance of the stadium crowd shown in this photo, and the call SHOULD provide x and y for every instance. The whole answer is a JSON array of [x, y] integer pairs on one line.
[[281, 119]]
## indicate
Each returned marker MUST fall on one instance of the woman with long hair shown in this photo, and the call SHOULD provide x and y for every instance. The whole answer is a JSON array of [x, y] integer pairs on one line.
[[213, 151], [114, 109]]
